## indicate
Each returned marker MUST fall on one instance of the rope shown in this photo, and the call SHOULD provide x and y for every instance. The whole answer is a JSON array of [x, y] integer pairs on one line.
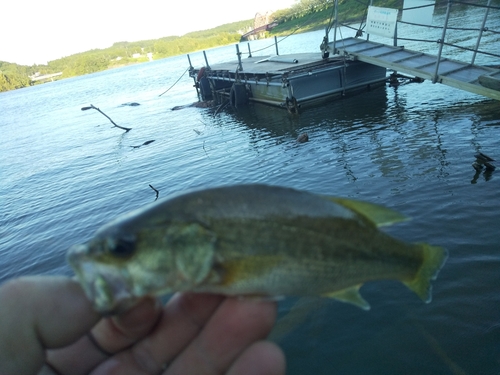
[[279, 41], [175, 82], [348, 26], [330, 21]]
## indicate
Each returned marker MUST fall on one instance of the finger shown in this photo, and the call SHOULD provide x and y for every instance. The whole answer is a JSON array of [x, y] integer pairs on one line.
[[182, 319], [121, 331], [262, 358], [109, 335], [234, 326], [37, 313]]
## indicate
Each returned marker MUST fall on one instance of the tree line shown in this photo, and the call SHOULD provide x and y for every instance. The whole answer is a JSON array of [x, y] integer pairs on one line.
[[14, 76]]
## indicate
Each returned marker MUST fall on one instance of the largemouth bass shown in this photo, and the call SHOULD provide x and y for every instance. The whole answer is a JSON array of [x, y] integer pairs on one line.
[[250, 240]]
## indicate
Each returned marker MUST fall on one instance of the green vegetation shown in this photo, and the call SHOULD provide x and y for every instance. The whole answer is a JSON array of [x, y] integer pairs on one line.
[[14, 76], [304, 15], [308, 15]]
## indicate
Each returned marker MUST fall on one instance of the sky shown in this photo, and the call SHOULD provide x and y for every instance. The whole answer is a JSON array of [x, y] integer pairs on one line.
[[34, 32]]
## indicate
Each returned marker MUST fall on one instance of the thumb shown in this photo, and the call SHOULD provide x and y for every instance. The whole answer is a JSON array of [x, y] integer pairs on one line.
[[38, 313]]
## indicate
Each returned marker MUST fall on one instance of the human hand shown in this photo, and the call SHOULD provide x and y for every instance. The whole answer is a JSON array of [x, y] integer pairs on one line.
[[47, 319]]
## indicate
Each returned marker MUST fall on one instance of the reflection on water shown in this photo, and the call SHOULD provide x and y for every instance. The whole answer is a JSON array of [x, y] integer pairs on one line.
[[486, 175]]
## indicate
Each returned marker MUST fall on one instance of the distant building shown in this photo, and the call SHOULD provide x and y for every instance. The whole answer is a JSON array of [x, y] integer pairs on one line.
[[136, 55]]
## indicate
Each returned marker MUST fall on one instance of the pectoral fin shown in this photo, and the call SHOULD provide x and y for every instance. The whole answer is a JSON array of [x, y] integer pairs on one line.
[[377, 214], [350, 295]]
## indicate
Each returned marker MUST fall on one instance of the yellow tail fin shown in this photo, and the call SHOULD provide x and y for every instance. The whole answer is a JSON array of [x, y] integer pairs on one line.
[[434, 258]]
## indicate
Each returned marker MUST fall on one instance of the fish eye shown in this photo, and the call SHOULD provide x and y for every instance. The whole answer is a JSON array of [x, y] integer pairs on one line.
[[122, 247]]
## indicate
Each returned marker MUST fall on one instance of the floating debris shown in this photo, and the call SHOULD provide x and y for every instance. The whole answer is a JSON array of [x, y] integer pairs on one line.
[[109, 118], [156, 191], [396, 79], [221, 107], [202, 104], [144, 144], [206, 153], [129, 104], [304, 137]]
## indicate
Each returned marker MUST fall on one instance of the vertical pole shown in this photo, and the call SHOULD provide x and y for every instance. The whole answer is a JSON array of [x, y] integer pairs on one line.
[[194, 78], [249, 52], [276, 44], [206, 60], [368, 35], [324, 44], [240, 67], [441, 42], [396, 35], [481, 31], [336, 24]]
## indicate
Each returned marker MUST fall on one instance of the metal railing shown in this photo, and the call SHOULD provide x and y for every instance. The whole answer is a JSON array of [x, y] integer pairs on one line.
[[444, 29]]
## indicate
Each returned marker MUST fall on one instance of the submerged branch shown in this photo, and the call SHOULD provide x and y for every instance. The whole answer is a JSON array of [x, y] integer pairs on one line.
[[221, 107], [156, 191], [144, 144], [109, 118]]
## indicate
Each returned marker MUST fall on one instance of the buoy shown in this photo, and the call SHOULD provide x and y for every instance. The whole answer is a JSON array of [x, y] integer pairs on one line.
[[238, 96], [205, 89], [201, 73]]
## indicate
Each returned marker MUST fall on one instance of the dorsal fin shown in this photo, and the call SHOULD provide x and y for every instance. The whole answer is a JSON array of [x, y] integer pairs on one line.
[[378, 215]]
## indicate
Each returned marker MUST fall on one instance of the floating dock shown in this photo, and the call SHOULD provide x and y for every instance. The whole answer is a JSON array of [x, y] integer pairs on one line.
[[289, 81]]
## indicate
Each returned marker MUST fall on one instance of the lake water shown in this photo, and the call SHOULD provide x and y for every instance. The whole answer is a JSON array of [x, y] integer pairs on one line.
[[65, 172]]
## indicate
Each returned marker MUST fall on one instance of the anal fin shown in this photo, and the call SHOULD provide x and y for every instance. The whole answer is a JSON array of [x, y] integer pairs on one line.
[[350, 295]]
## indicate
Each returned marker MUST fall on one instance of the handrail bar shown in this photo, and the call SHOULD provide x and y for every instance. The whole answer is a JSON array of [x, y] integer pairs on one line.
[[445, 28], [476, 5]]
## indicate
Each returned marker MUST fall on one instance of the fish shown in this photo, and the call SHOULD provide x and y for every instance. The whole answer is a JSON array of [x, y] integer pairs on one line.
[[250, 240]]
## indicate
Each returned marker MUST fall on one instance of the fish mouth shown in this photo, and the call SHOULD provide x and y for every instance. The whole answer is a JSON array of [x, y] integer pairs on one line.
[[106, 286]]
